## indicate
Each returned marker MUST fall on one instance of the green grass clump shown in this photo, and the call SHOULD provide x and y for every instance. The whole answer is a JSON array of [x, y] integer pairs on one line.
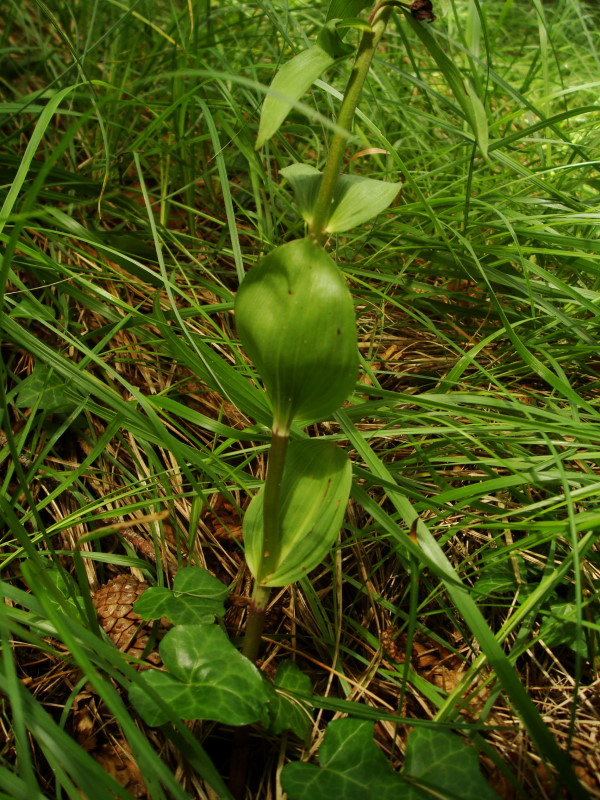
[[133, 432]]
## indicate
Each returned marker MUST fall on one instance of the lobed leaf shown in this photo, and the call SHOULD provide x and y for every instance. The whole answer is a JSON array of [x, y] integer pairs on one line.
[[352, 766], [207, 678], [287, 713], [314, 493], [443, 761], [437, 764], [562, 626], [45, 389], [196, 597]]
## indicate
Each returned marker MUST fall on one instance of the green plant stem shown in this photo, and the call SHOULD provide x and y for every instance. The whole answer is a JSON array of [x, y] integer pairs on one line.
[[271, 544], [366, 50], [271, 508], [256, 621]]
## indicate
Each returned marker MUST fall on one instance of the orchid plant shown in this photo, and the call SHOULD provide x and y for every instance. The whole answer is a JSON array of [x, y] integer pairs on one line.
[[295, 318]]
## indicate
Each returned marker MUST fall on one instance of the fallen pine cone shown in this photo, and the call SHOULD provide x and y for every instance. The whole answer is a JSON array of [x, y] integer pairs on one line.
[[114, 605]]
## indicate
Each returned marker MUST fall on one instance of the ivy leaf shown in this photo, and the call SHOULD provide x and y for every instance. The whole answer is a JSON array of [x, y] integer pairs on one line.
[[46, 390], [497, 578], [314, 493], [286, 712], [70, 602], [67, 599], [196, 597], [560, 628], [443, 761], [207, 678], [437, 764], [352, 766], [356, 199]]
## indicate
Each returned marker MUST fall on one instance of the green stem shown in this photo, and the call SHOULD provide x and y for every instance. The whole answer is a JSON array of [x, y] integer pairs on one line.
[[271, 508], [271, 544], [256, 621], [366, 50]]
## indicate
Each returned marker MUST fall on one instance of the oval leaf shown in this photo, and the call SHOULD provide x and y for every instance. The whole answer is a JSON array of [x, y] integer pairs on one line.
[[331, 41], [342, 9], [314, 493], [356, 199], [353, 22], [288, 85], [295, 318], [305, 181]]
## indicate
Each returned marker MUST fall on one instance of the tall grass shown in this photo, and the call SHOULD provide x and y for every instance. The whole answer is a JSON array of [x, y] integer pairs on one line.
[[132, 203]]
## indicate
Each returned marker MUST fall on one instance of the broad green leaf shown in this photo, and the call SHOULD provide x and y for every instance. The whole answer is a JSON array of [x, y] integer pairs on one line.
[[331, 41], [342, 9], [295, 319], [498, 577], [314, 493], [288, 85], [305, 181], [561, 627], [287, 713], [437, 764], [445, 762], [44, 389], [352, 767], [296, 76], [463, 91], [68, 591], [196, 597], [355, 201], [207, 678], [65, 600], [353, 22]]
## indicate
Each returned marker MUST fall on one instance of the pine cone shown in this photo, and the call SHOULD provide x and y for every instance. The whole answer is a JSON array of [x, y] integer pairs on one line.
[[114, 604]]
